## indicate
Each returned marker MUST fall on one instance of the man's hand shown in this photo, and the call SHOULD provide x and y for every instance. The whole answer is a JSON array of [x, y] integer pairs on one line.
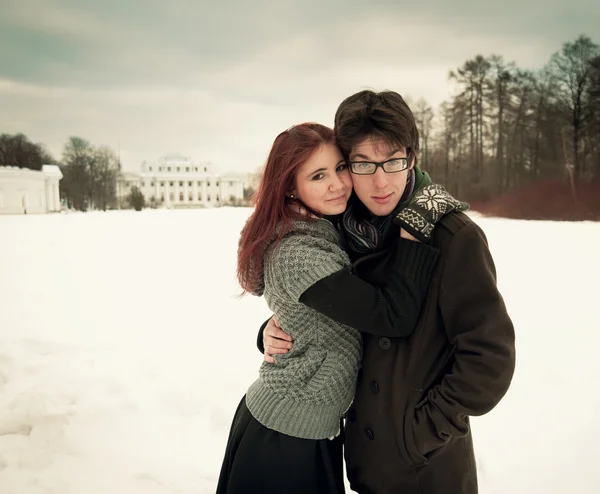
[[275, 340], [425, 208], [405, 234]]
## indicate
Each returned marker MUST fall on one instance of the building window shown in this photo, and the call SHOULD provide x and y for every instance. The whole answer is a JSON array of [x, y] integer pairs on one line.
[[162, 184], [178, 169], [160, 168], [171, 183], [190, 197], [217, 198], [169, 169], [187, 168], [208, 198], [208, 183], [205, 169], [230, 184], [150, 168], [181, 197], [199, 184], [180, 184], [217, 184], [189, 184], [152, 199], [151, 184], [172, 196], [162, 198], [195, 168]]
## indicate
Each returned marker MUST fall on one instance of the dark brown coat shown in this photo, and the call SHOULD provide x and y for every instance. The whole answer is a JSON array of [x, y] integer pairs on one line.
[[408, 429]]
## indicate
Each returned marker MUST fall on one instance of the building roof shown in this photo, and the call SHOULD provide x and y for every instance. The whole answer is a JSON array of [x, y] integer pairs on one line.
[[174, 157], [47, 171], [52, 171]]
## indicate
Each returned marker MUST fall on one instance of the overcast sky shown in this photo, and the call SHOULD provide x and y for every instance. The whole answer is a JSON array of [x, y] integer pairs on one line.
[[217, 81]]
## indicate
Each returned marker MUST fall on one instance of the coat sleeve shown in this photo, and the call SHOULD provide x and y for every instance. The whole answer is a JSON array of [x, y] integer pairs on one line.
[[479, 327], [390, 307]]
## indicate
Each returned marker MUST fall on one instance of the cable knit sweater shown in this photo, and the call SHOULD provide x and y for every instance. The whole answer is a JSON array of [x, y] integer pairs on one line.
[[308, 389]]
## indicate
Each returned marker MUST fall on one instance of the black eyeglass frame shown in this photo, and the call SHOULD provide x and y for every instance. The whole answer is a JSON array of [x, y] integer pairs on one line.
[[381, 165]]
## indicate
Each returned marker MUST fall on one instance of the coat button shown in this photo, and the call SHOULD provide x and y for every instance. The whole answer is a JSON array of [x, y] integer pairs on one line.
[[370, 434], [385, 343], [374, 387], [352, 415]]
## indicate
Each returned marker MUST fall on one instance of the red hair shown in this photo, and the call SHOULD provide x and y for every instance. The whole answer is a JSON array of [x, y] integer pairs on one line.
[[272, 216]]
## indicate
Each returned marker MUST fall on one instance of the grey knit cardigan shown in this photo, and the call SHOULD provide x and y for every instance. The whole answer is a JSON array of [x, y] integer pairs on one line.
[[305, 393]]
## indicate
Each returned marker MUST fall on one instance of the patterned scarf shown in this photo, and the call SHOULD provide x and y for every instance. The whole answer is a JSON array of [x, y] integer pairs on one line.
[[364, 232]]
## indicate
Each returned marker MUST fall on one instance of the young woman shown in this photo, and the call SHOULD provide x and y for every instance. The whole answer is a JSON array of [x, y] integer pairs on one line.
[[285, 435]]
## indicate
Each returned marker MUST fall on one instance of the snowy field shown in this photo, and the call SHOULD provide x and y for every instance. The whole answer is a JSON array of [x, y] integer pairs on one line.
[[124, 351]]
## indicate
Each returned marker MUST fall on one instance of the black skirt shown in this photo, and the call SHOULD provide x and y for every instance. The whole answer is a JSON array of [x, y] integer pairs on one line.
[[261, 460]]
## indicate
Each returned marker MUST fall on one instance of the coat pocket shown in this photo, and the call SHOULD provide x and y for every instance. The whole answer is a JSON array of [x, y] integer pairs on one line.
[[416, 458], [429, 440]]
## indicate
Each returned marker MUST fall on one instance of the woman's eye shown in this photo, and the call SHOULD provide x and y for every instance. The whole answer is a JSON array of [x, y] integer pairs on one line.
[[341, 168], [318, 176]]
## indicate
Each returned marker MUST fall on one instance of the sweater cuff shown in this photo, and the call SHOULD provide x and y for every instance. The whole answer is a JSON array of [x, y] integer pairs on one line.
[[415, 260], [259, 339]]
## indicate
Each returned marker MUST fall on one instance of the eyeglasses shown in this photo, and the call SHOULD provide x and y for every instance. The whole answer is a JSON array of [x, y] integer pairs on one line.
[[394, 165]]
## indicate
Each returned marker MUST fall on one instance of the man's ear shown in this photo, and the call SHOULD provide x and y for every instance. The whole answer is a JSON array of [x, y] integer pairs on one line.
[[413, 160]]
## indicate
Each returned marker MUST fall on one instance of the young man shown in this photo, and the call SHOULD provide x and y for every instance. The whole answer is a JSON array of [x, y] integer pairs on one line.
[[408, 428]]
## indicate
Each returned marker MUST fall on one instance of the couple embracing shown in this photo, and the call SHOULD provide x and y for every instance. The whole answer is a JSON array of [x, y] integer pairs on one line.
[[388, 332]]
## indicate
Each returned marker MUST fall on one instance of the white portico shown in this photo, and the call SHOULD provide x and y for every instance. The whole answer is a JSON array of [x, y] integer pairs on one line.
[[175, 181], [25, 191]]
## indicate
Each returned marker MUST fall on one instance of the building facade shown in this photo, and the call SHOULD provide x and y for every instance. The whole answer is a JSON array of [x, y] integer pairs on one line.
[[25, 191], [176, 181]]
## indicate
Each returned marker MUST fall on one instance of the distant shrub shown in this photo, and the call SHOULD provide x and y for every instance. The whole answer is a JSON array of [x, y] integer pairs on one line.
[[136, 199], [547, 200]]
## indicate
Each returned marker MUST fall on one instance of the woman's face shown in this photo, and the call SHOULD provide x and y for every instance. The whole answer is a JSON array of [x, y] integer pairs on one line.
[[323, 183]]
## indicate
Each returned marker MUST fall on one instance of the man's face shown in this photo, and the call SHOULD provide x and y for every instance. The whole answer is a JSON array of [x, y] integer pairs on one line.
[[380, 192]]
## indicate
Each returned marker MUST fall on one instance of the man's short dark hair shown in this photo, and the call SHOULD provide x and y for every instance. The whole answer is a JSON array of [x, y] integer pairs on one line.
[[379, 115]]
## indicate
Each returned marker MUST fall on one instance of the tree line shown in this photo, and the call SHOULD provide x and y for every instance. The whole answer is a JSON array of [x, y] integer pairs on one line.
[[504, 128], [90, 172]]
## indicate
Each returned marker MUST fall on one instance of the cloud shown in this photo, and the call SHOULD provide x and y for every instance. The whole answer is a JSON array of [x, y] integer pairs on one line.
[[218, 80]]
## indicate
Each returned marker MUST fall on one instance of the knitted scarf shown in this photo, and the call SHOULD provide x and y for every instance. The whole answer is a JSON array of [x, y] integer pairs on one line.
[[365, 232]]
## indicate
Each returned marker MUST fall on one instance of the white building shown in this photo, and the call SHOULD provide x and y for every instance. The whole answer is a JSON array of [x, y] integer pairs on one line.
[[175, 181], [25, 191]]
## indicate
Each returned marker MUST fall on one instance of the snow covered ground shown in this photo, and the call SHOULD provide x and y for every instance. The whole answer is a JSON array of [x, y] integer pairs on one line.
[[124, 351]]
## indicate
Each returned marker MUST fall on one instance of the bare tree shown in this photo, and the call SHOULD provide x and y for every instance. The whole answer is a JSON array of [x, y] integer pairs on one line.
[[76, 183], [500, 87], [104, 172], [573, 72], [89, 175], [472, 77], [424, 117], [593, 133]]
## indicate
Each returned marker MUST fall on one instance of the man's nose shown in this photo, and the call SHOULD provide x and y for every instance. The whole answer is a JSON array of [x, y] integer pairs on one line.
[[380, 179]]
